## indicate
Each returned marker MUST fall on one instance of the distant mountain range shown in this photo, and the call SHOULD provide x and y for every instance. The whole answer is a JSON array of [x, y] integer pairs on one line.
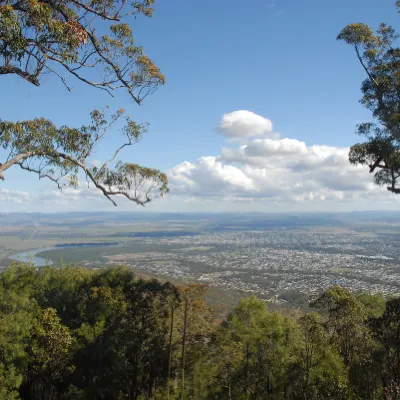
[[209, 221]]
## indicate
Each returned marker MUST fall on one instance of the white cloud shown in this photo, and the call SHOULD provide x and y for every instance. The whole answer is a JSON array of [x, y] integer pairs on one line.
[[245, 124], [14, 196], [285, 171], [261, 174], [52, 200], [209, 177], [74, 198]]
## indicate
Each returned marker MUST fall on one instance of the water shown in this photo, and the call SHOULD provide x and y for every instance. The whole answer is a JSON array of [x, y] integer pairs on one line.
[[29, 257], [96, 244]]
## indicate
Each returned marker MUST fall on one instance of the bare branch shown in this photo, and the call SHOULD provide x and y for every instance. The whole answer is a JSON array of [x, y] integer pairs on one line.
[[42, 175]]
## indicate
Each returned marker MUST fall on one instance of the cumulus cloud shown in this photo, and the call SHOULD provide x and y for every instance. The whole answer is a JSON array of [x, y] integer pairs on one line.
[[262, 173], [245, 124], [209, 177], [281, 170]]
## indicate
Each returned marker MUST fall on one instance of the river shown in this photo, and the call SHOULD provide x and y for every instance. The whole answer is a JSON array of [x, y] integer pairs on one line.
[[29, 257]]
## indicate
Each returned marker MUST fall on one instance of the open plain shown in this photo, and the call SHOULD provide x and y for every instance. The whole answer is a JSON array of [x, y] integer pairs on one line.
[[284, 258]]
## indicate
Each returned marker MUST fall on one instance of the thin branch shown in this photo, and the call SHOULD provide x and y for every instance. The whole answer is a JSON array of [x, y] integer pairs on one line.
[[114, 156], [42, 175], [366, 69], [98, 13], [114, 67], [63, 80], [80, 77]]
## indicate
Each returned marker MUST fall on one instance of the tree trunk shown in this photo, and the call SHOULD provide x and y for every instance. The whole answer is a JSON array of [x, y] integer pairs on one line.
[[247, 368], [184, 351], [170, 350], [134, 386]]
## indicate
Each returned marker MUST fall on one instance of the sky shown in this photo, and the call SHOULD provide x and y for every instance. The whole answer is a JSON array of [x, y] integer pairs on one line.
[[258, 113]]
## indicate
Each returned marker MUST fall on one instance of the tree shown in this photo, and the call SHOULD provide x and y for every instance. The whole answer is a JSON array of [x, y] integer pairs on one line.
[[386, 330], [39, 37], [49, 357], [319, 372], [61, 154], [75, 333], [120, 329], [254, 350], [17, 321], [379, 56], [195, 323], [344, 317]]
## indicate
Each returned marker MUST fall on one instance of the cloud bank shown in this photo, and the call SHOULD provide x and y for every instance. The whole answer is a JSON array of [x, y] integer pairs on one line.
[[272, 169], [261, 172]]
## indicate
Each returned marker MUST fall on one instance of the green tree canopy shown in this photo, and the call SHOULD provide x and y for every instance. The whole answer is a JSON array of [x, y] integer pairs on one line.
[[38, 37], [379, 56], [60, 154], [75, 333]]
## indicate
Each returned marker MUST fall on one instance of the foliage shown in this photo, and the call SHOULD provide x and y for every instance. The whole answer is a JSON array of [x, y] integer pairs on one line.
[[74, 333], [386, 331], [379, 55], [60, 154], [38, 37], [59, 37], [320, 372]]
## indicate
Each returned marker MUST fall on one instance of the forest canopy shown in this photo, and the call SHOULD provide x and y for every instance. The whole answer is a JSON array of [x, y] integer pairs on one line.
[[74, 333]]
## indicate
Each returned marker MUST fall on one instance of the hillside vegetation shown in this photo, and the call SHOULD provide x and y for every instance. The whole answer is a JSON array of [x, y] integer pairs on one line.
[[74, 333]]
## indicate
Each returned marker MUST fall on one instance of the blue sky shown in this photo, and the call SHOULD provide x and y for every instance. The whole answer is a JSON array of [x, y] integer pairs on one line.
[[278, 59]]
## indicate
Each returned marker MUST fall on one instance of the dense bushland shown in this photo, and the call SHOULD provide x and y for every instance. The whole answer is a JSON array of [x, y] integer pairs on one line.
[[74, 333]]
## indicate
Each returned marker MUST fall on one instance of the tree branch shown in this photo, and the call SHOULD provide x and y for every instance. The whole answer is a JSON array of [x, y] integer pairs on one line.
[[365, 68], [100, 14], [41, 174], [373, 166], [15, 160], [11, 69]]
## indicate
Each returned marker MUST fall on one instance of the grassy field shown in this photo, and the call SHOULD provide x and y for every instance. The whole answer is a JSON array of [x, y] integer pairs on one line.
[[77, 254]]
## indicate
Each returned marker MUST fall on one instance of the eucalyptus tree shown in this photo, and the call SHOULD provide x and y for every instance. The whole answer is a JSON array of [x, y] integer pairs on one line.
[[379, 56], [91, 42], [386, 330], [53, 36]]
